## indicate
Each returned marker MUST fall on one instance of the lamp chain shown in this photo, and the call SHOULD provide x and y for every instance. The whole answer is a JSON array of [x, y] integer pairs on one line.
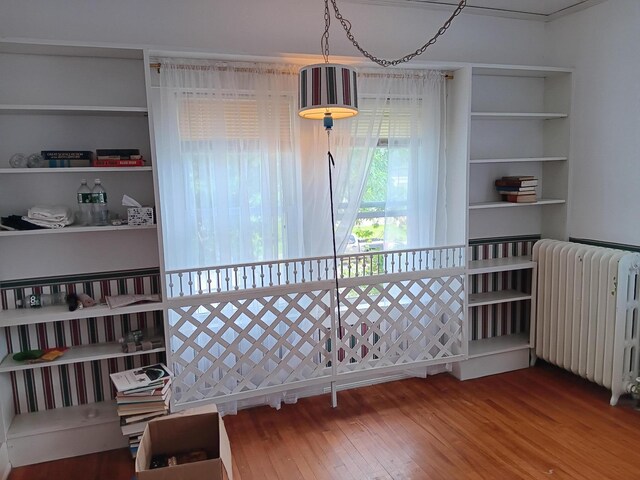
[[324, 42], [346, 24]]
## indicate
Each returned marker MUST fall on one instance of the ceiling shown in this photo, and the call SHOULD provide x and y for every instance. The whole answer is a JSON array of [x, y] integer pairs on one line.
[[542, 10]]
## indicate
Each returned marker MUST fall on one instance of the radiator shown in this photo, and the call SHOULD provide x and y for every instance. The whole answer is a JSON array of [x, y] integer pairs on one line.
[[586, 312]]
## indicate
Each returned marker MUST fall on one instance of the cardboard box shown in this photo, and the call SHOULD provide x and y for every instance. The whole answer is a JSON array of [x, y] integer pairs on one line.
[[195, 429], [140, 215]]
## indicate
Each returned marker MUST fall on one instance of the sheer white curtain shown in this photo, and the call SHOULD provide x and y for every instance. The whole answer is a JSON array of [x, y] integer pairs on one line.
[[402, 112], [227, 157], [243, 178]]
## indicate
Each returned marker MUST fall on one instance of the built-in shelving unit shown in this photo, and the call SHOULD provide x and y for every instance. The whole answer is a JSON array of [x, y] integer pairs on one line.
[[520, 119], [493, 298], [498, 345], [70, 104]]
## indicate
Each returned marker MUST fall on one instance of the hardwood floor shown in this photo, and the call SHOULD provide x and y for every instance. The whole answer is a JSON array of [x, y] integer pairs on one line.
[[536, 423]]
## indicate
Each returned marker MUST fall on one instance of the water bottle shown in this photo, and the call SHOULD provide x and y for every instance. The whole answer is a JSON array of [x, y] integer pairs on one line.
[[99, 204], [42, 300], [84, 204]]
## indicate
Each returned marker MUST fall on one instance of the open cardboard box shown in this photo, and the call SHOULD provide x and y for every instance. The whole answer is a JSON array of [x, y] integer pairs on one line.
[[199, 428]]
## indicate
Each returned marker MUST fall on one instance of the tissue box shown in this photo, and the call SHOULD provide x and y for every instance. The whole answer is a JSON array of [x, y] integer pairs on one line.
[[140, 215]]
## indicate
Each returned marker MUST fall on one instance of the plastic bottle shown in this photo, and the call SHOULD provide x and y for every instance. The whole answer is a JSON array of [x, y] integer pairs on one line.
[[42, 300], [99, 204], [84, 204]]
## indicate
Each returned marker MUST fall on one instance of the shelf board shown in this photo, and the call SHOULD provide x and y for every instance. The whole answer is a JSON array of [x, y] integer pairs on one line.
[[72, 110], [516, 116], [29, 316], [542, 201], [493, 345], [500, 265], [6, 171], [501, 296], [517, 160], [78, 354], [73, 229], [67, 418]]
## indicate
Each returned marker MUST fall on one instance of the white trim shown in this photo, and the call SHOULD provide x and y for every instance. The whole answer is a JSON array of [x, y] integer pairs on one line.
[[5, 465]]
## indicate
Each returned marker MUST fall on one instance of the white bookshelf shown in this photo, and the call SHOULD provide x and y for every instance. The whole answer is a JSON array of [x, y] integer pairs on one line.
[[82, 353], [497, 345], [72, 110], [516, 160], [494, 298], [542, 201], [57, 313], [75, 229], [65, 170], [494, 265], [70, 104], [516, 116]]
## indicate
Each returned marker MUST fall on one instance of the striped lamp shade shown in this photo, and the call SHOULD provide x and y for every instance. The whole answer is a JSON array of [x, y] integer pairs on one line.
[[327, 88]]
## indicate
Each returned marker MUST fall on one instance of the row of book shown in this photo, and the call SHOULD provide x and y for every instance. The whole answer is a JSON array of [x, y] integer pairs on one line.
[[115, 157], [518, 189], [142, 395]]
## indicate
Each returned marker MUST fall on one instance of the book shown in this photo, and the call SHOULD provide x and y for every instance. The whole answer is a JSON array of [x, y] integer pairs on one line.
[[519, 177], [141, 417], [155, 392], [139, 378], [517, 183], [120, 152], [66, 154], [516, 189], [522, 198], [66, 162], [136, 400], [508, 192], [112, 162], [119, 157]]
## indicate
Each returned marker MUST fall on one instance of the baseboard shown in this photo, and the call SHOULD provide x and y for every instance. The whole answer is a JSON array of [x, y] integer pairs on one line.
[[44, 447], [491, 364], [5, 466]]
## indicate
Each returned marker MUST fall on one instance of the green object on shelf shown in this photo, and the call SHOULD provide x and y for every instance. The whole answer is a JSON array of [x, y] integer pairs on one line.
[[27, 355]]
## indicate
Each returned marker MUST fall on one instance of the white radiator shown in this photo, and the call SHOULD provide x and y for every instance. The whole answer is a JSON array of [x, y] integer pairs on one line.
[[586, 312]]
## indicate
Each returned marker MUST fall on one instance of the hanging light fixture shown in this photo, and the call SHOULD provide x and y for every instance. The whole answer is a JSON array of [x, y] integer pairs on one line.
[[329, 91]]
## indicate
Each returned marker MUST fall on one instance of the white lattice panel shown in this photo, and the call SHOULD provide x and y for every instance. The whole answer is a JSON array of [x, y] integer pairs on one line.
[[249, 344], [401, 323]]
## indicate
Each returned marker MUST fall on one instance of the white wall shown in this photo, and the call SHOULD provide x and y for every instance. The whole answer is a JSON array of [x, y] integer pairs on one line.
[[272, 27], [603, 44]]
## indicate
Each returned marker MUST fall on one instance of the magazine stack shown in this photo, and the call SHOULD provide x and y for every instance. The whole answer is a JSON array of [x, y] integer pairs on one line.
[[142, 395]]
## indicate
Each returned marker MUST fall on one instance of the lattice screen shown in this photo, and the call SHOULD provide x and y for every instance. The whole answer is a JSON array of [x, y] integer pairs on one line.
[[401, 323], [249, 344]]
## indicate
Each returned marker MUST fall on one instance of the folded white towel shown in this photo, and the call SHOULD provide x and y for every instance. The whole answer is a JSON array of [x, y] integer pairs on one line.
[[48, 224], [51, 213]]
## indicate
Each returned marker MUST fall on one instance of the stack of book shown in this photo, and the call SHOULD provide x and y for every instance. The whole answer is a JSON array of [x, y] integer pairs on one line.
[[518, 189], [142, 395], [118, 157]]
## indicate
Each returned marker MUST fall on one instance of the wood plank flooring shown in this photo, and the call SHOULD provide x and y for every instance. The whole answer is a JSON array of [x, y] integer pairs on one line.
[[531, 424]]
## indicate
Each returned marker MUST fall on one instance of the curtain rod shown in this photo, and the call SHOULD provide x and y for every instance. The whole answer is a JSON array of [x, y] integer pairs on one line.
[[157, 66]]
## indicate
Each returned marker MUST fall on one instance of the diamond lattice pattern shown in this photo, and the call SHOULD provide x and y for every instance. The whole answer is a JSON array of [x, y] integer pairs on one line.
[[400, 323], [249, 344]]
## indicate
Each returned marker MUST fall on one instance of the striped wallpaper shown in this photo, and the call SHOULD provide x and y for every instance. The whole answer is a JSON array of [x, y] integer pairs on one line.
[[67, 385], [505, 318]]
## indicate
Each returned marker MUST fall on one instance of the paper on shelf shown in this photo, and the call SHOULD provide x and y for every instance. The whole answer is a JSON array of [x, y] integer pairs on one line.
[[116, 301], [127, 201]]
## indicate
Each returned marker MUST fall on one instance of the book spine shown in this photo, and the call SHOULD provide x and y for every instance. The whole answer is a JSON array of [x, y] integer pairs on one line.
[[101, 162], [66, 155], [64, 163]]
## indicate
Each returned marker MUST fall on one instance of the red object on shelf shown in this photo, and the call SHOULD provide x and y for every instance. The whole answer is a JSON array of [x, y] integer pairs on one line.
[[122, 162]]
